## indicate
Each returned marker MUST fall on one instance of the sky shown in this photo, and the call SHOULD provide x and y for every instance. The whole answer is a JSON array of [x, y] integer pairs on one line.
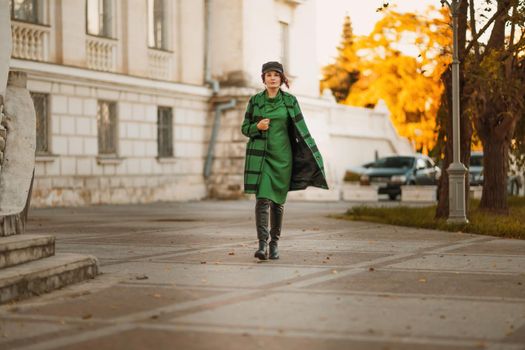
[[331, 13]]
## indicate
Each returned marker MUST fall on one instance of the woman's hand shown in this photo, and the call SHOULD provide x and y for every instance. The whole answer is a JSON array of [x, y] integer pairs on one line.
[[264, 124]]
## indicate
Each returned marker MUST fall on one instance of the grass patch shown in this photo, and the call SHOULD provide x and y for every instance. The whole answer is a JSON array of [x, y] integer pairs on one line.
[[480, 222]]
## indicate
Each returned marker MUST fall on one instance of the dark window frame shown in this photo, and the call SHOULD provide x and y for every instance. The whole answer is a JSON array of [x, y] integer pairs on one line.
[[107, 138], [42, 113], [284, 32], [36, 14], [158, 27], [106, 26], [165, 132]]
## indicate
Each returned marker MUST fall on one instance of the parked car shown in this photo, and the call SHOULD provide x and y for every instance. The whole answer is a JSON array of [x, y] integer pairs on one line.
[[515, 180], [476, 169], [390, 173], [354, 173]]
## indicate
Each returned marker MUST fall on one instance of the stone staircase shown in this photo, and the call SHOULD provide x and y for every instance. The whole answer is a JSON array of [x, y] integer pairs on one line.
[[29, 267]]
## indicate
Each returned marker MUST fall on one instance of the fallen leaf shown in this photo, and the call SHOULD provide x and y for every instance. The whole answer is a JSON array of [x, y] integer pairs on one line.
[[87, 316], [141, 277], [231, 253], [203, 262], [423, 280], [371, 269], [334, 271], [156, 295]]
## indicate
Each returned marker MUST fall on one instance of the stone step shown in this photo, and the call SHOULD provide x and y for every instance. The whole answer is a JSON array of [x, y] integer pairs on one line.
[[42, 276], [18, 249]]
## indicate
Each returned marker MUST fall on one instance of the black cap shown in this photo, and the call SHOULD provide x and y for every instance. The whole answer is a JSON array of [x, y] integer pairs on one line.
[[272, 65]]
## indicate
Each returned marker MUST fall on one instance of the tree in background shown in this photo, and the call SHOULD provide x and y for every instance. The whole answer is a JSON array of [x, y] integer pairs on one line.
[[494, 93], [418, 91], [409, 83], [341, 75]]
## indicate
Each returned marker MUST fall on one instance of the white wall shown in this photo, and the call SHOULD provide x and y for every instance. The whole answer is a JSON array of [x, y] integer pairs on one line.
[[246, 34], [74, 175], [347, 137]]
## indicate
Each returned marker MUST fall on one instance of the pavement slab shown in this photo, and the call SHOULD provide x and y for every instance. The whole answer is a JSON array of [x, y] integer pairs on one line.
[[183, 276]]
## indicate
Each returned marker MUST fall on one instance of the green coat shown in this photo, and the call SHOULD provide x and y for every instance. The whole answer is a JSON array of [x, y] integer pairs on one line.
[[307, 168]]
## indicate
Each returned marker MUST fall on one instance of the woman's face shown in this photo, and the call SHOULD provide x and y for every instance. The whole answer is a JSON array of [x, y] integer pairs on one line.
[[272, 79]]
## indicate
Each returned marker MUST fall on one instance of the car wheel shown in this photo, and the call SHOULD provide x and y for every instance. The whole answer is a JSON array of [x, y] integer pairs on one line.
[[392, 197]]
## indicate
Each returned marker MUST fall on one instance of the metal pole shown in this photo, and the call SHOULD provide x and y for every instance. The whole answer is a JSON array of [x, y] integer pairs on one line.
[[456, 170]]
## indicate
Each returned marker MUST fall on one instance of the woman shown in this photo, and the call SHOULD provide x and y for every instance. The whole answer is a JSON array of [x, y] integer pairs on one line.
[[281, 155]]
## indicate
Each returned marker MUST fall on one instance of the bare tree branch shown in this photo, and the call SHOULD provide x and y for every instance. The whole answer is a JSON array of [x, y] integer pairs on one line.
[[473, 28], [499, 13]]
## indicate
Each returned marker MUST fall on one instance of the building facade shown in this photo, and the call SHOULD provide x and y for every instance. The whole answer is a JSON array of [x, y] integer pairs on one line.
[[128, 105]]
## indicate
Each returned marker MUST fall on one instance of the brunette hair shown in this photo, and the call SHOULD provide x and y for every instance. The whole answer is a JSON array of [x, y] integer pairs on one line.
[[284, 79]]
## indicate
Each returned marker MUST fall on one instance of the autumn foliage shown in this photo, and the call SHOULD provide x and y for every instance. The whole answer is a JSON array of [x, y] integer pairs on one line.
[[401, 62]]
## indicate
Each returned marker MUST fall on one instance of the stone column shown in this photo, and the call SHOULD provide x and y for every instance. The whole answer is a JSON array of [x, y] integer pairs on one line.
[[18, 164], [5, 46], [17, 137]]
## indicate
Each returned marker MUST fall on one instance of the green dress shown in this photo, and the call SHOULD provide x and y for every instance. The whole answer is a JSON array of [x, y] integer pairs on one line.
[[277, 167]]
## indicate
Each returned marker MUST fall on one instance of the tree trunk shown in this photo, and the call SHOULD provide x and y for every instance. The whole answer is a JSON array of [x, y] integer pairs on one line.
[[445, 116], [496, 126], [495, 168]]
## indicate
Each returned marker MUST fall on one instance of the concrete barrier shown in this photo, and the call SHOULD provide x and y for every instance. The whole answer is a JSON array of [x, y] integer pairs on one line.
[[418, 193], [475, 192], [356, 193]]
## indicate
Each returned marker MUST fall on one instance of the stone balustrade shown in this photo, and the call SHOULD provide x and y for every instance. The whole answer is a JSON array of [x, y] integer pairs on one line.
[[160, 63], [30, 41], [101, 53]]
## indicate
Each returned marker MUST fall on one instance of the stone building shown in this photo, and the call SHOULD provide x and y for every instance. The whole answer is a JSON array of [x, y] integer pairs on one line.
[[142, 100]]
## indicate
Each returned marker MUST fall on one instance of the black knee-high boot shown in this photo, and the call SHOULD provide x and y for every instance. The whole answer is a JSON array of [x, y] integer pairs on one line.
[[262, 208], [276, 218]]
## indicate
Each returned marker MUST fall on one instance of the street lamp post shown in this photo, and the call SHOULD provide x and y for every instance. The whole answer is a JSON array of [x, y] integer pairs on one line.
[[456, 170]]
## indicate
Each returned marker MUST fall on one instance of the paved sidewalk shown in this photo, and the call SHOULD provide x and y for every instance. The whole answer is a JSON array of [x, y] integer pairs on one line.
[[183, 276]]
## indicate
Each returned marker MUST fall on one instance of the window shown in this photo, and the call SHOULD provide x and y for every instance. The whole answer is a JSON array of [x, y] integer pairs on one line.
[[107, 128], [157, 25], [285, 45], [421, 164], [26, 10], [42, 122], [165, 131], [100, 17]]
